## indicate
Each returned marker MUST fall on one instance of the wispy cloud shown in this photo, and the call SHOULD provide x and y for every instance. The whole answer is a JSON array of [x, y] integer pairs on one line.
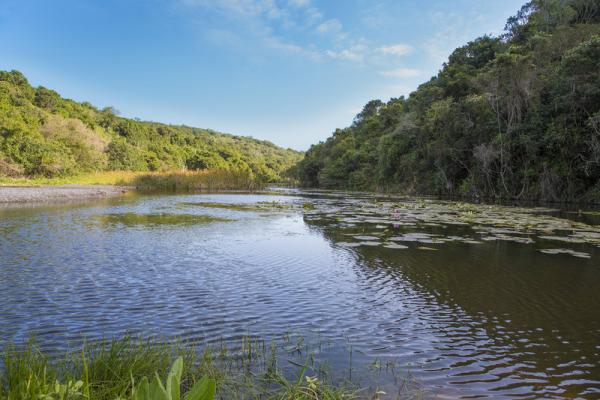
[[330, 26], [290, 26], [402, 73], [399, 49], [455, 29], [299, 3], [354, 54], [267, 21], [275, 43]]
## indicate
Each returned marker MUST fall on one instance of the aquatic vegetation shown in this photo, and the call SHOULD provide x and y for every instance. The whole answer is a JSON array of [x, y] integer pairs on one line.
[[127, 369], [427, 248], [251, 207], [348, 244], [573, 253], [394, 246], [171, 181], [194, 181], [366, 237], [154, 220], [423, 222], [368, 243]]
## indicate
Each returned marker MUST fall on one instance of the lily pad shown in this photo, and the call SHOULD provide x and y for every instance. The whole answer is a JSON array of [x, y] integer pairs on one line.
[[573, 253], [395, 246], [365, 237], [372, 244]]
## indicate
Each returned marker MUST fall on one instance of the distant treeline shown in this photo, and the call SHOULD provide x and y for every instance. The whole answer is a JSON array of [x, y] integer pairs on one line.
[[43, 134], [515, 116]]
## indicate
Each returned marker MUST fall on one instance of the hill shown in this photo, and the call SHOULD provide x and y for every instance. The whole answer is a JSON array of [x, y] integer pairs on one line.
[[512, 117], [43, 134]]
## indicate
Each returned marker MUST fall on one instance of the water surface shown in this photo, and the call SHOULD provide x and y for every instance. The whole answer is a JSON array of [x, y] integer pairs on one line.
[[475, 301]]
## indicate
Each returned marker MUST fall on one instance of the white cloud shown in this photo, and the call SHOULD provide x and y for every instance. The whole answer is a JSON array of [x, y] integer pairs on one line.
[[330, 26], [246, 8], [399, 49], [355, 53], [276, 43], [299, 3], [313, 15], [277, 24], [402, 73], [346, 55], [264, 21]]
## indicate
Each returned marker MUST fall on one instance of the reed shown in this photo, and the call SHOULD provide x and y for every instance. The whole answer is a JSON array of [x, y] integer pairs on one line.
[[111, 370], [172, 181]]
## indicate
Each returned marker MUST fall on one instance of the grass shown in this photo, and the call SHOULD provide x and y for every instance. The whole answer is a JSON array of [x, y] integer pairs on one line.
[[109, 370], [181, 180]]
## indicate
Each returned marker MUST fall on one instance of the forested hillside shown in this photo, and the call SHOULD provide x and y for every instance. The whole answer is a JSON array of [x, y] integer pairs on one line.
[[516, 116], [43, 134]]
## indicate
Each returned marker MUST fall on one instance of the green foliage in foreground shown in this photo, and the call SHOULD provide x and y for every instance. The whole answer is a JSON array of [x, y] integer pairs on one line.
[[43, 134], [155, 390], [131, 370], [516, 116]]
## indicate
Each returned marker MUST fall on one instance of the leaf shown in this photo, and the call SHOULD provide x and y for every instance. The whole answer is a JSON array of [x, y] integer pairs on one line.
[[157, 390], [142, 391], [203, 390], [174, 379]]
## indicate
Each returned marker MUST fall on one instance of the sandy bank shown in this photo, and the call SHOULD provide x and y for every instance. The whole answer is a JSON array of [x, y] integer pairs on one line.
[[52, 194]]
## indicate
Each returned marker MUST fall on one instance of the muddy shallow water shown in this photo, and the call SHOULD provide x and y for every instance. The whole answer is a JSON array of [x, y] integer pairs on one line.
[[471, 300]]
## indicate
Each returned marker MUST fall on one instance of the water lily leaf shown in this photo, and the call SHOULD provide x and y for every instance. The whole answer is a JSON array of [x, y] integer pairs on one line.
[[395, 246], [573, 253], [366, 237]]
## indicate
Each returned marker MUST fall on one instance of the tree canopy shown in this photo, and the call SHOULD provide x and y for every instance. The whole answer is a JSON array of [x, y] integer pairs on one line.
[[515, 116], [43, 134]]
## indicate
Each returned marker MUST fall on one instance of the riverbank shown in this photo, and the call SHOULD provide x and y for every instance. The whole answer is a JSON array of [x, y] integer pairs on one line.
[[52, 194], [250, 368], [114, 183]]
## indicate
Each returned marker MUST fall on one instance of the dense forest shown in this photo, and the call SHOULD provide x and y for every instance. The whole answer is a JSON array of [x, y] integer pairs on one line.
[[509, 117], [43, 134]]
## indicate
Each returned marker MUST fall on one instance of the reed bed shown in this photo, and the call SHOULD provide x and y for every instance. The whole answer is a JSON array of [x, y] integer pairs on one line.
[[171, 181]]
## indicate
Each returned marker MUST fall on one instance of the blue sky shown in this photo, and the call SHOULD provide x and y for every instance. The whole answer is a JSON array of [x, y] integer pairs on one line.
[[289, 71]]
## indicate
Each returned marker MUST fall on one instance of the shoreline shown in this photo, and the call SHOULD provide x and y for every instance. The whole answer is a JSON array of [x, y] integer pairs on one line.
[[11, 195]]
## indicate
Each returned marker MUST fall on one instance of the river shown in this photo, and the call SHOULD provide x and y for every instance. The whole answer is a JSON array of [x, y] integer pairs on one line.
[[467, 300]]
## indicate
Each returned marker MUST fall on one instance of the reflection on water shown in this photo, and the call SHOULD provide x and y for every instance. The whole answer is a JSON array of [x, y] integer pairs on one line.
[[462, 294]]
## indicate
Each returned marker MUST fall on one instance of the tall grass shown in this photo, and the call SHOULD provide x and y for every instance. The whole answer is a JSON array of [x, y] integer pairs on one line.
[[109, 370], [193, 181], [181, 180]]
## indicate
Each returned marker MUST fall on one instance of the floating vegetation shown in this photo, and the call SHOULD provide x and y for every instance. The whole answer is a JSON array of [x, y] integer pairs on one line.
[[134, 219], [573, 253], [426, 222], [508, 238], [254, 207], [395, 246], [365, 237], [348, 244], [372, 244], [568, 239], [308, 206]]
